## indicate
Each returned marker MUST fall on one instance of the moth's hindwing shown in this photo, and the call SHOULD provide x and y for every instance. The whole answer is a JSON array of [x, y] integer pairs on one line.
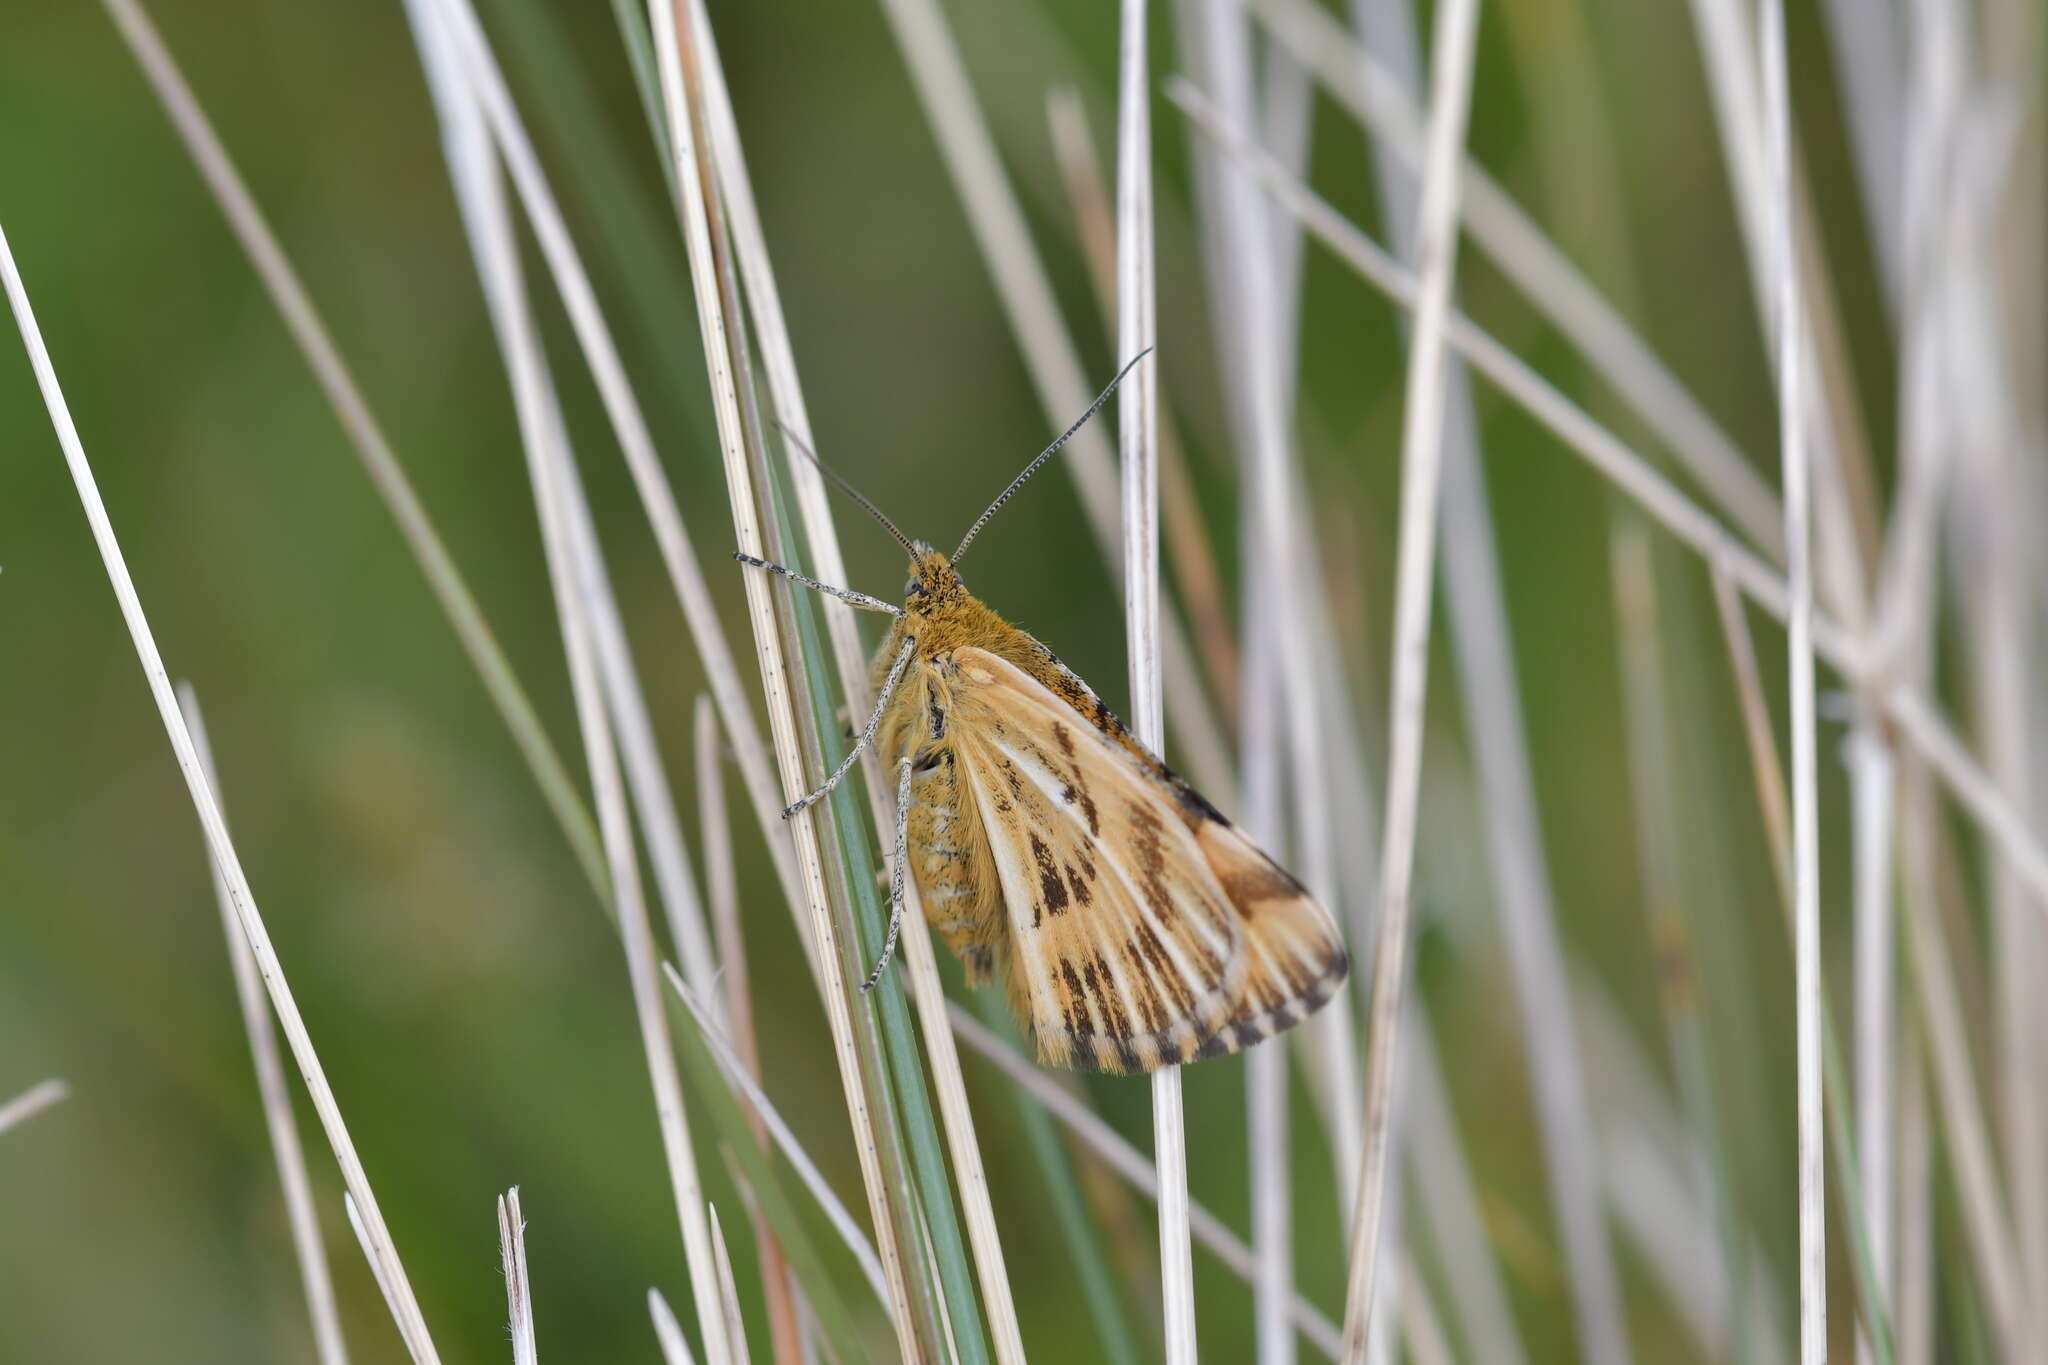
[[1143, 929]]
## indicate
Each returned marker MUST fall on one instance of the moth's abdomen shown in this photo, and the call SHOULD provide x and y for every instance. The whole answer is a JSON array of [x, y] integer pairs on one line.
[[949, 857]]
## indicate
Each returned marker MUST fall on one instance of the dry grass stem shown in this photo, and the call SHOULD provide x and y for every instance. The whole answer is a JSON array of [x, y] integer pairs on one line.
[[1494, 710], [1871, 783], [295, 306], [518, 1293], [33, 1101], [1980, 1202], [1838, 449], [721, 890], [1138, 441], [273, 1089], [1421, 462], [1813, 1288], [486, 218], [675, 1347], [628, 423], [377, 1238], [389, 1290], [1914, 1266], [1186, 535], [718, 332], [1025, 289], [1276, 706], [729, 1294], [927, 992], [582, 601], [1866, 43]]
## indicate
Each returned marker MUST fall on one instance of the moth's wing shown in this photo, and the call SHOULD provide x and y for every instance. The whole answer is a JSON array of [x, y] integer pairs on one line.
[[1145, 930]]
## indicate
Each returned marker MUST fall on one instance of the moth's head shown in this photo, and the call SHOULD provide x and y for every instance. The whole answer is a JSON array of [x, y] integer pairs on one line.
[[933, 580]]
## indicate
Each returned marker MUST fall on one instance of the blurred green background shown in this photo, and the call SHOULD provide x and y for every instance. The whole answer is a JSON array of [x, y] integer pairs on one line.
[[467, 998]]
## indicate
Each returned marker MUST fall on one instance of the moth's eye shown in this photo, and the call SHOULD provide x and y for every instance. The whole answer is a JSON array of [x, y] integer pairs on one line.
[[913, 588]]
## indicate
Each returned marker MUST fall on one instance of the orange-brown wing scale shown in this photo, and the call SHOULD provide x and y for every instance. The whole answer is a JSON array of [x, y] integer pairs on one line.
[[1136, 928]]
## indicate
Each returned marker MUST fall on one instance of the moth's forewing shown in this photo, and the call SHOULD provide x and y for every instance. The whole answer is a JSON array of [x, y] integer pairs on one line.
[[1140, 929]]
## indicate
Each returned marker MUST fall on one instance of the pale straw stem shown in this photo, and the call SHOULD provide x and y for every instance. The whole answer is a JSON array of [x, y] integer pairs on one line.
[[682, 76], [273, 1089], [1871, 786], [814, 507], [1025, 289], [1972, 1157], [1813, 1303], [302, 320], [1866, 43], [1730, 55], [33, 1101], [1249, 359], [377, 1238], [1186, 534], [675, 1347], [1500, 750], [1914, 1263], [1138, 436], [721, 889], [385, 1286], [518, 1292], [729, 1294], [1322, 738], [480, 200], [1421, 462], [691, 84], [580, 601], [636, 443]]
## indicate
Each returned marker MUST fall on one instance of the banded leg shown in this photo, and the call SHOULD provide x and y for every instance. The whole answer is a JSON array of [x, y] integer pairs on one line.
[[896, 881], [867, 736], [848, 595]]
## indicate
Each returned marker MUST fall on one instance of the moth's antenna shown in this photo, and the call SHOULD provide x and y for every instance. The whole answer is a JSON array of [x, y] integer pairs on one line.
[[838, 481], [1047, 454]]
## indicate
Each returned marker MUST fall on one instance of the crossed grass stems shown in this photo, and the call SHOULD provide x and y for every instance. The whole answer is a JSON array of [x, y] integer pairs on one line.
[[1983, 1226]]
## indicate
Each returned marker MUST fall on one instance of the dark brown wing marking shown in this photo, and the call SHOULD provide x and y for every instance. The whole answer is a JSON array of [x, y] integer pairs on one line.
[[1188, 942]]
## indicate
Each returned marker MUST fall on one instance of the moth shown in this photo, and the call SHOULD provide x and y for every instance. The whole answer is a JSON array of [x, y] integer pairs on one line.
[[1133, 926]]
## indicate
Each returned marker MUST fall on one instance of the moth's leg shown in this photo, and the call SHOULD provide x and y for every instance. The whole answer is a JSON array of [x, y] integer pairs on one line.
[[858, 599], [866, 736], [896, 883]]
